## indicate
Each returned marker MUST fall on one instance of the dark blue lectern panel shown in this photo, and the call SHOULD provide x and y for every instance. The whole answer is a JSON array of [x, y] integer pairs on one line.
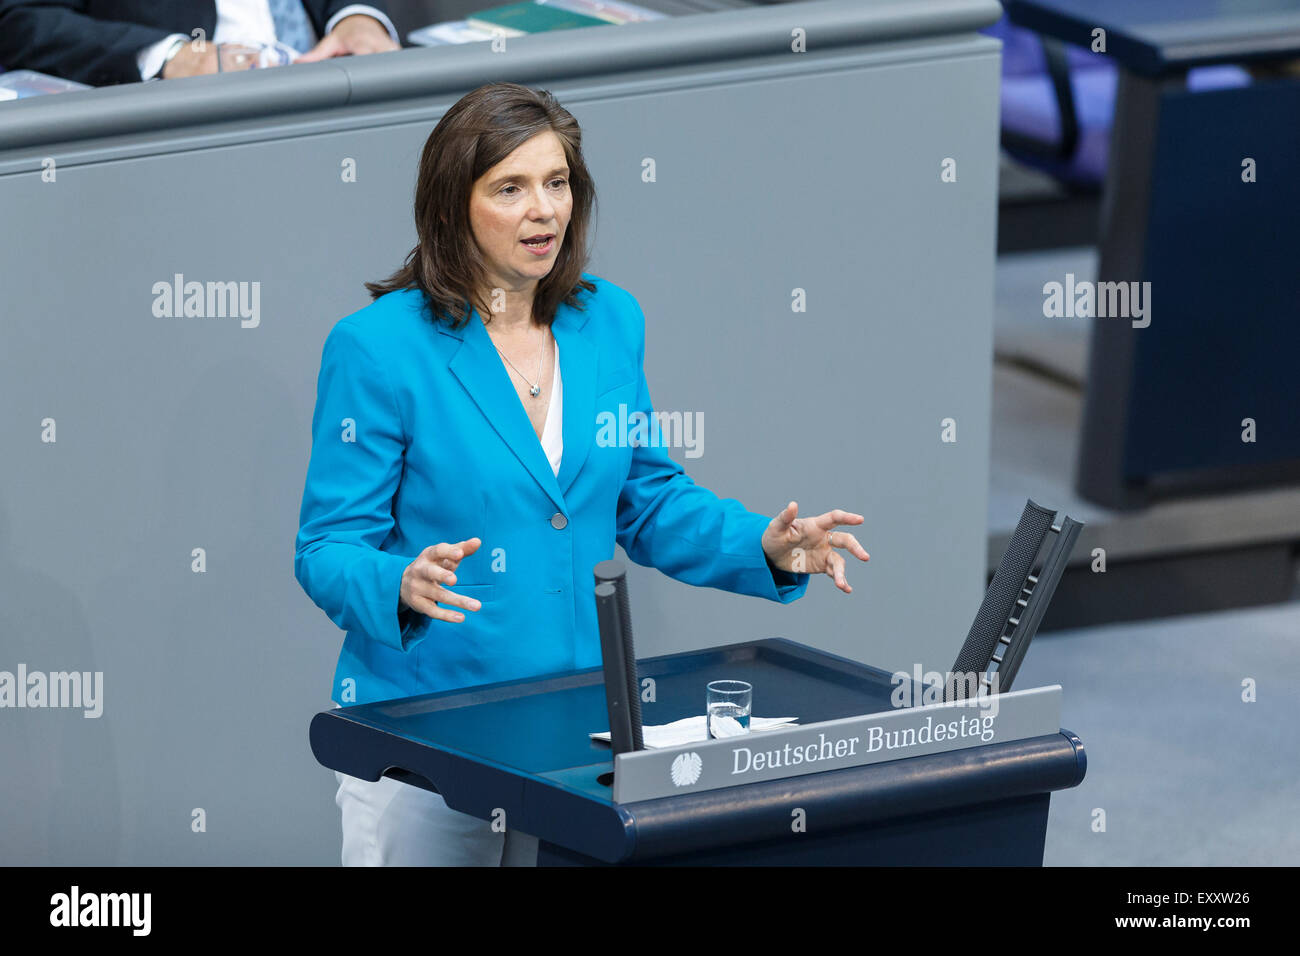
[[1011, 832], [1223, 260]]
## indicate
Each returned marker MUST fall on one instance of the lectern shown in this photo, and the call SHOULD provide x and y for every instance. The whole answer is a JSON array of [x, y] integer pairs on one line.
[[978, 795]]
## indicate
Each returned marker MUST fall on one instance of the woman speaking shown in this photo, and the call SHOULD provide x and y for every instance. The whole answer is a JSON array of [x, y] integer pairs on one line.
[[460, 488]]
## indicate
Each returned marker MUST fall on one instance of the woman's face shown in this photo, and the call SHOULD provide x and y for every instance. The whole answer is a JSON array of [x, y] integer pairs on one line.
[[524, 195]]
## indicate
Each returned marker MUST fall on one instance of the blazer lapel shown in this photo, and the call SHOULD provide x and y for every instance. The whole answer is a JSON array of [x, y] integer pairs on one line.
[[578, 370], [478, 366]]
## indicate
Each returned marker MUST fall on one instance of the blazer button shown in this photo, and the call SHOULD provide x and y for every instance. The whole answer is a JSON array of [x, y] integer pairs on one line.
[[559, 522]]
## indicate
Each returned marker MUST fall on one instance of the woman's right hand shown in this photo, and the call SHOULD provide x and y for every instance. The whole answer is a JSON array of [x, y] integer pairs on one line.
[[426, 579]]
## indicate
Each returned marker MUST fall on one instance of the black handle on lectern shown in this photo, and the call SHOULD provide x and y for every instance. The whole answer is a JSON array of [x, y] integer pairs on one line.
[[622, 689]]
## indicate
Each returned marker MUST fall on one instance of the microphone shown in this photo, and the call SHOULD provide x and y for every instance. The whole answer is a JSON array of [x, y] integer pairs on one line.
[[622, 689]]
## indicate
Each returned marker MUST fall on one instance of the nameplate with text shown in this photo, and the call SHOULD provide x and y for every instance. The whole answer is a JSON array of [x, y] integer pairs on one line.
[[837, 744]]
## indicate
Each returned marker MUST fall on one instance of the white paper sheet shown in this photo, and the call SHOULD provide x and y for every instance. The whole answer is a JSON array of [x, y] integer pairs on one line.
[[693, 729]]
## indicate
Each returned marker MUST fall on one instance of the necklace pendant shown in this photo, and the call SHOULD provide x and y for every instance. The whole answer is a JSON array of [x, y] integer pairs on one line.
[[535, 390]]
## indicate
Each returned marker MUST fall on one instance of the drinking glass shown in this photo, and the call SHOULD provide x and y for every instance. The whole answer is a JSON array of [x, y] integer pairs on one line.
[[728, 703], [233, 57]]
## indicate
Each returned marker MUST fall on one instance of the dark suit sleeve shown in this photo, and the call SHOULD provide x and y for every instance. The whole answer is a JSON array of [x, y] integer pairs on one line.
[[320, 11], [56, 37]]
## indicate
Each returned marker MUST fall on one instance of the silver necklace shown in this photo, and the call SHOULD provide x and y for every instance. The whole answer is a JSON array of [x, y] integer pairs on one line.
[[534, 388]]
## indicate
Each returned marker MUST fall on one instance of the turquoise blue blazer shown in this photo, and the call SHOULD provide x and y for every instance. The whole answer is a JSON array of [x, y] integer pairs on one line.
[[419, 437]]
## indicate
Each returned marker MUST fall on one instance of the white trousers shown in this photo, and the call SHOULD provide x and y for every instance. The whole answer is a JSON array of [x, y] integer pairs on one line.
[[388, 823]]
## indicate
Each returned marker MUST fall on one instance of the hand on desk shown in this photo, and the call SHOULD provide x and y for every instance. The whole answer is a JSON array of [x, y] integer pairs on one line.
[[192, 59], [355, 34], [803, 545], [425, 581]]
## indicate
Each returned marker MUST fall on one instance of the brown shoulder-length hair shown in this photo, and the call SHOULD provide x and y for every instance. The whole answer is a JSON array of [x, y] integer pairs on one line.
[[482, 129]]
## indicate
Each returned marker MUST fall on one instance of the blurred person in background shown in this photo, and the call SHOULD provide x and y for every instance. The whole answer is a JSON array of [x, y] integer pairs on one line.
[[102, 42]]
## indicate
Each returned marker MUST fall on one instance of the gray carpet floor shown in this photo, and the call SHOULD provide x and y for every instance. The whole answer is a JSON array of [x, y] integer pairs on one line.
[[1187, 773]]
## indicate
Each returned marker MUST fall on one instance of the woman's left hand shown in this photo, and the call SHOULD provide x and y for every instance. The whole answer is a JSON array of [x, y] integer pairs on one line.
[[807, 545]]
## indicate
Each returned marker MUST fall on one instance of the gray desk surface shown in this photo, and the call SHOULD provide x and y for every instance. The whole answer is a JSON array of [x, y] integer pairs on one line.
[[1163, 36], [405, 74]]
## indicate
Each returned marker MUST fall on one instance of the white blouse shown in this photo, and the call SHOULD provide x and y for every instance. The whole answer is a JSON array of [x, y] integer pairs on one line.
[[552, 433]]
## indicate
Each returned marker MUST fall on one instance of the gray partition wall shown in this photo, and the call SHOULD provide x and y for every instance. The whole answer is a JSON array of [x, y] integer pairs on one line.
[[130, 441]]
